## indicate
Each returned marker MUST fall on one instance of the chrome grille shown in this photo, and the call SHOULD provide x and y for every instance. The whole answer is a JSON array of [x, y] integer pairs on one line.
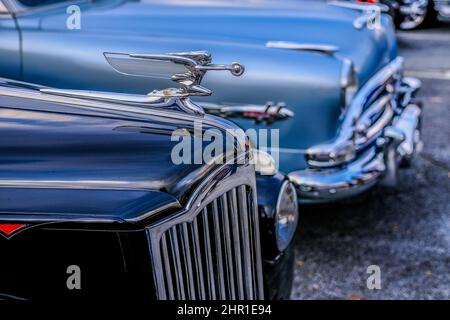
[[212, 254]]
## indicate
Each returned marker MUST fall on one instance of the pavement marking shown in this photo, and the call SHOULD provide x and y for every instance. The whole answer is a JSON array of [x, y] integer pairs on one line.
[[429, 74], [424, 36]]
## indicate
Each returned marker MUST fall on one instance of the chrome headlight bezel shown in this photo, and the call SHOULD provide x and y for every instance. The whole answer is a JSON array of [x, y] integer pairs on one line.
[[265, 164], [286, 216]]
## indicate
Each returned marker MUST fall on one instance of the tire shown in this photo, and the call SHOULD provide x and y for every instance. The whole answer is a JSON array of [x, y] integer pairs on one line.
[[417, 20]]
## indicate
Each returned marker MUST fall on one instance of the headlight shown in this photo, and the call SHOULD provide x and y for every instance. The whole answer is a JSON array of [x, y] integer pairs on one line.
[[332, 154], [264, 163], [349, 82], [286, 216]]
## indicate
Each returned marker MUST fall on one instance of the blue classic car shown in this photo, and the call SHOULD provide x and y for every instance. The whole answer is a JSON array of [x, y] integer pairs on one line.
[[88, 184], [326, 75]]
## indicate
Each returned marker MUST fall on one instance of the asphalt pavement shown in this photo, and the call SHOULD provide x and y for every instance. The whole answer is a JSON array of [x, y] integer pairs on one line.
[[405, 231]]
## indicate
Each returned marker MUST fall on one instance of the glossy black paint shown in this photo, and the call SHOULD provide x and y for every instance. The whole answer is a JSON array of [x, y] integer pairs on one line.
[[86, 182], [66, 152]]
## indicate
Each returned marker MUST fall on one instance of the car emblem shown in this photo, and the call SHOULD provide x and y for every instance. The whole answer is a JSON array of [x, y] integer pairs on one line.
[[267, 113], [8, 230]]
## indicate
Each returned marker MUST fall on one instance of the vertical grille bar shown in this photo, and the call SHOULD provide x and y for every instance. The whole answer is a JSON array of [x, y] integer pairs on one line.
[[198, 261], [212, 254], [237, 243], [209, 263], [253, 251], [256, 247], [245, 239], [168, 272], [177, 264], [228, 248], [219, 258], [188, 260]]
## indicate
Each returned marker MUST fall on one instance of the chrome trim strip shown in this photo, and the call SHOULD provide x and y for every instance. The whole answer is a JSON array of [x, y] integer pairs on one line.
[[78, 184], [108, 96], [322, 48], [369, 131], [155, 99]]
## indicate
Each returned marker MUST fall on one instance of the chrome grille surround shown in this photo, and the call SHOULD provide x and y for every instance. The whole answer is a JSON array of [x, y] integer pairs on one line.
[[372, 109], [212, 249]]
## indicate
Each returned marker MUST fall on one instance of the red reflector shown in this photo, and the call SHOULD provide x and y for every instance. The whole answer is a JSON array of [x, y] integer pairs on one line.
[[8, 228]]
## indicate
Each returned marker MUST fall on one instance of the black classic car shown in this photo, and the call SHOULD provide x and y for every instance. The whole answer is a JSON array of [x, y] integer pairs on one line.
[[93, 205]]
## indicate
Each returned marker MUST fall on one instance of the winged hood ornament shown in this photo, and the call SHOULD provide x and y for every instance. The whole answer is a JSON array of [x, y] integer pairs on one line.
[[197, 63], [185, 68]]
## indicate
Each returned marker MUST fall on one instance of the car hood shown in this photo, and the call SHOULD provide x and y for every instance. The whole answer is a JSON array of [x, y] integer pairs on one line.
[[307, 82], [251, 23], [82, 161]]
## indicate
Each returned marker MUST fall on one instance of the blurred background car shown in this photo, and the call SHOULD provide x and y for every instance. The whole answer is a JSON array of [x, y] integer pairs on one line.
[[414, 14]]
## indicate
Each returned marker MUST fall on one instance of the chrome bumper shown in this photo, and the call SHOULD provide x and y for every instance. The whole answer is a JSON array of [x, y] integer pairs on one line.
[[379, 162]]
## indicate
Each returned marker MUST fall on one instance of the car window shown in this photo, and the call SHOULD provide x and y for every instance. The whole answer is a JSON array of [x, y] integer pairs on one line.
[[38, 3]]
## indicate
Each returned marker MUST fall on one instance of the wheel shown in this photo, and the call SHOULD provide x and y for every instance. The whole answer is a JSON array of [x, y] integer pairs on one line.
[[414, 14]]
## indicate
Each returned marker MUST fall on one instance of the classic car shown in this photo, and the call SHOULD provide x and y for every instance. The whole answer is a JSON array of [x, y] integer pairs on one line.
[[414, 14], [93, 205], [322, 74]]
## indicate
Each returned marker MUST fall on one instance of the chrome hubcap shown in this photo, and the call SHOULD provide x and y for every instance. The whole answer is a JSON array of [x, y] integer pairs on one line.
[[413, 13]]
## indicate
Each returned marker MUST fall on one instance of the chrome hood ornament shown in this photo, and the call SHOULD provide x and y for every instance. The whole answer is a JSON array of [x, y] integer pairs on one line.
[[197, 63], [185, 68]]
